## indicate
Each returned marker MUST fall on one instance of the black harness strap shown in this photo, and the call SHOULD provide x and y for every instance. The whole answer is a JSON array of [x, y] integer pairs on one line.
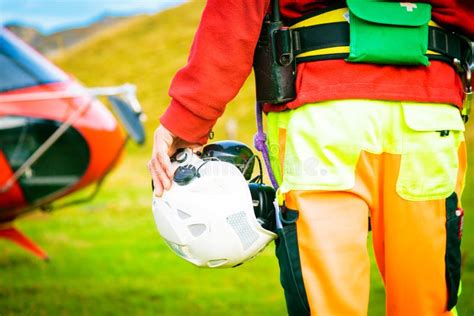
[[449, 45]]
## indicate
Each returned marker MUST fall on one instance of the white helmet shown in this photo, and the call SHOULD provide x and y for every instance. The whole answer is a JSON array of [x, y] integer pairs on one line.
[[207, 216]]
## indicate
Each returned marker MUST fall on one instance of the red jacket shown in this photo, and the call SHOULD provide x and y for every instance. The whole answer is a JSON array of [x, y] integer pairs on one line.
[[222, 53]]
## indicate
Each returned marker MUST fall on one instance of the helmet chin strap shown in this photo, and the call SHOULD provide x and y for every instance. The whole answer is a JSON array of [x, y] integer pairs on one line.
[[259, 177]]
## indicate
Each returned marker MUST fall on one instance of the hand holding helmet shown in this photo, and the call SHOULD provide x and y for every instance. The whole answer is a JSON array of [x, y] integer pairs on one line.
[[164, 145], [208, 216]]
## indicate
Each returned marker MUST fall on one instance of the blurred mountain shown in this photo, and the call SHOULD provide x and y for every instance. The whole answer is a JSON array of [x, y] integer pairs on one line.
[[61, 40]]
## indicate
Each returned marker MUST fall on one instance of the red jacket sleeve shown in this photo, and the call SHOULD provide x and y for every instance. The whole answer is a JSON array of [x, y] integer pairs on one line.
[[219, 62], [455, 15]]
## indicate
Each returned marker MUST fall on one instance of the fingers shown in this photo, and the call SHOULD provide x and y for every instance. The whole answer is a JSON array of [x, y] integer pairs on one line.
[[160, 170], [158, 186], [197, 149], [165, 173], [165, 144], [160, 164], [182, 144]]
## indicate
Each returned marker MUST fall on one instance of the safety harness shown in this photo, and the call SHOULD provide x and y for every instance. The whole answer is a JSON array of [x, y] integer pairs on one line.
[[325, 35]]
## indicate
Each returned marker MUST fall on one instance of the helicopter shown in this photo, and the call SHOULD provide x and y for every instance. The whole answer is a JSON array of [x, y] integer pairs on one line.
[[56, 135]]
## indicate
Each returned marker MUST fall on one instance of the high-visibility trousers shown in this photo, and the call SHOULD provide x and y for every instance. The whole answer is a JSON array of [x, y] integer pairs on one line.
[[401, 163]]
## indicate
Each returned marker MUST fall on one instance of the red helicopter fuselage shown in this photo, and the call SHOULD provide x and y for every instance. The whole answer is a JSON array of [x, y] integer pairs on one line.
[[56, 136], [97, 138]]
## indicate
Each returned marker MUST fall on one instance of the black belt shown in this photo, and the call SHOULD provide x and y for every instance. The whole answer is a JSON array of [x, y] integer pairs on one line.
[[449, 45]]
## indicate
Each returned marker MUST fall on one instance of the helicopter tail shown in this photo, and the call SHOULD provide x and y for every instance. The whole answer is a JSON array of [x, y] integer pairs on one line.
[[14, 235]]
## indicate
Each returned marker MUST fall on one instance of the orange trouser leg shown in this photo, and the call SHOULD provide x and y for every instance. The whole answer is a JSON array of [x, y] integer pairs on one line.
[[332, 240], [409, 241], [410, 245]]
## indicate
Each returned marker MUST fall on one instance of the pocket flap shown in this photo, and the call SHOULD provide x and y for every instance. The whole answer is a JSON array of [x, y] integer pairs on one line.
[[391, 13], [433, 117]]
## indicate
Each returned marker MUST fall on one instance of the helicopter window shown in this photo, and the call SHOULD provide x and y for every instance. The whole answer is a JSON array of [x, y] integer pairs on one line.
[[21, 66], [60, 167], [13, 76]]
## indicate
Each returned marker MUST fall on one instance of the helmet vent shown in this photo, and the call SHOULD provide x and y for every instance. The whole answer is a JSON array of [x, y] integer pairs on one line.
[[241, 226], [183, 215], [197, 229], [178, 249], [216, 262]]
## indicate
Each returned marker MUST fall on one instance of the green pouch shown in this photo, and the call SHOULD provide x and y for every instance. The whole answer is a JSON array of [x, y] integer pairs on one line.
[[389, 32]]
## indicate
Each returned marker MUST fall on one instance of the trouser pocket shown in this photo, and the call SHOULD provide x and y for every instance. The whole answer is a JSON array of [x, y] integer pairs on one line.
[[291, 276], [429, 164], [454, 218]]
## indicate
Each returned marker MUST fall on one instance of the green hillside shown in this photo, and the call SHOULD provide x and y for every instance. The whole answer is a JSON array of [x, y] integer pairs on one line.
[[107, 258], [147, 52]]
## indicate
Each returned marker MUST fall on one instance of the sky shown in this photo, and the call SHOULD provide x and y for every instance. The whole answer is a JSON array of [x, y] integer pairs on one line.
[[50, 16]]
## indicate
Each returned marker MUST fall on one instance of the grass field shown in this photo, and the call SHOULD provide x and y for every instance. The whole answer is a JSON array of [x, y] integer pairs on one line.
[[107, 258]]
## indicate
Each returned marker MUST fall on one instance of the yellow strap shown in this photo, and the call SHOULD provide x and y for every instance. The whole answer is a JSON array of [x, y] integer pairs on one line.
[[337, 15], [325, 51], [339, 50]]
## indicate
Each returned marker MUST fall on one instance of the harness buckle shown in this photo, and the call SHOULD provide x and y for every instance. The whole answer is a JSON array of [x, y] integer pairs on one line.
[[284, 46], [466, 76]]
